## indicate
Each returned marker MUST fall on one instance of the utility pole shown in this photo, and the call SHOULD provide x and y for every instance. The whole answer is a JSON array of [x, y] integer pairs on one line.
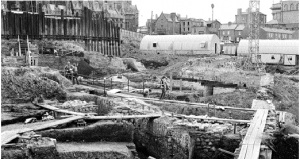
[[151, 23]]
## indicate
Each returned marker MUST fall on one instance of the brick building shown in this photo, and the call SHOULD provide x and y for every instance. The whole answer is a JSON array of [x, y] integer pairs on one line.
[[167, 24], [285, 15], [242, 17]]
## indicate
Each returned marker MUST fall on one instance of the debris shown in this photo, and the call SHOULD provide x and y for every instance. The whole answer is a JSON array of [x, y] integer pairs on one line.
[[30, 120]]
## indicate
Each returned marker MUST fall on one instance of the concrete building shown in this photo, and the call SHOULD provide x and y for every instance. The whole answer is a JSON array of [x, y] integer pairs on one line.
[[181, 44], [285, 52], [167, 24], [242, 17], [285, 15]]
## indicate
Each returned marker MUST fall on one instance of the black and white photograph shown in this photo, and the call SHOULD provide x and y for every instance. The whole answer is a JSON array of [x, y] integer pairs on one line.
[[150, 79]]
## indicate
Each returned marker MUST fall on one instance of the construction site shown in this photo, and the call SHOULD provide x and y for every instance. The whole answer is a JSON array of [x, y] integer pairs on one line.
[[216, 106]]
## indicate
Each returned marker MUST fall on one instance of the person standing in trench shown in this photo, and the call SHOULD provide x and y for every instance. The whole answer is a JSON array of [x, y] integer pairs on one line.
[[164, 87]]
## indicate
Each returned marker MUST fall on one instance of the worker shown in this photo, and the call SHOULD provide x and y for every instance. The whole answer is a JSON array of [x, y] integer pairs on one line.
[[164, 87], [68, 70], [75, 73]]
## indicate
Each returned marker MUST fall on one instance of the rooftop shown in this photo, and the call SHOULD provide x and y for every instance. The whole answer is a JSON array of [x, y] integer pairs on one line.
[[274, 30], [228, 27]]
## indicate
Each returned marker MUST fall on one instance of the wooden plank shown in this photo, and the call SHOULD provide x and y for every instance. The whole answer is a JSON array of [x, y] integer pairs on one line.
[[249, 152], [213, 118], [121, 117], [258, 139], [59, 110], [251, 128], [55, 123], [243, 152], [8, 136], [257, 127], [181, 102]]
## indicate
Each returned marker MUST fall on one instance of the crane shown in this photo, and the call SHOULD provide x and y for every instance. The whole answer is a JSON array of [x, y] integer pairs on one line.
[[254, 25]]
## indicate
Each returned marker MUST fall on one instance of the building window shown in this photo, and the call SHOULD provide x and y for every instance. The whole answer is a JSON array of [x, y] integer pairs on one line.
[[292, 7], [154, 44], [273, 57], [229, 38], [223, 32], [202, 44], [286, 8], [183, 29], [243, 18], [188, 23], [228, 32], [183, 23], [297, 6], [240, 33], [188, 29]]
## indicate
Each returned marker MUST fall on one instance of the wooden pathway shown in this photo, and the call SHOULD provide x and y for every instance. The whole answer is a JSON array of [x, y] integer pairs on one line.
[[8, 136], [252, 141]]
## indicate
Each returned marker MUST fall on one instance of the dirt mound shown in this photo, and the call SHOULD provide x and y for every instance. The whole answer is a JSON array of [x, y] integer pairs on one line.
[[286, 94], [134, 65], [28, 83]]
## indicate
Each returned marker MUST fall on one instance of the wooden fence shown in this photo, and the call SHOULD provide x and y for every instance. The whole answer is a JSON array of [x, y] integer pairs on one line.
[[92, 28]]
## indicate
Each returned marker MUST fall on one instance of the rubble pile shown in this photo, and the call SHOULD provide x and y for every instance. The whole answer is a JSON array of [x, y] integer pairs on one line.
[[27, 84]]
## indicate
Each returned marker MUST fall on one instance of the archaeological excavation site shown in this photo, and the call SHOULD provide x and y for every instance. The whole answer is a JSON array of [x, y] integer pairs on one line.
[[79, 83]]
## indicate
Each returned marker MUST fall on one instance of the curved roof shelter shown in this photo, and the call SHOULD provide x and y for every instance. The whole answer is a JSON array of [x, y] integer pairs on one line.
[[290, 47], [205, 42]]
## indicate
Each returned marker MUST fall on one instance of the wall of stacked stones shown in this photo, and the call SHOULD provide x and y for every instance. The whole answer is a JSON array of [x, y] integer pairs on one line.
[[164, 140]]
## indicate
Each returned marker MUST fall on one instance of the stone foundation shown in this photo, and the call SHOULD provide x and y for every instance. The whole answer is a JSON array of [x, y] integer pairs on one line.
[[172, 138]]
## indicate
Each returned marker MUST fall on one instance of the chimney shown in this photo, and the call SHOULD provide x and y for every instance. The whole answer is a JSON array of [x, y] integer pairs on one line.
[[173, 16], [229, 23], [239, 11], [178, 15]]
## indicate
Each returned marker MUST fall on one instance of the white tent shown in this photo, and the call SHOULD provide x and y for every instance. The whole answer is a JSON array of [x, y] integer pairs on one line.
[[181, 44]]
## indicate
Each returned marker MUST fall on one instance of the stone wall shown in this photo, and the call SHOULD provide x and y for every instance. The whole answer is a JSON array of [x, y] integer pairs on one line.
[[172, 138]]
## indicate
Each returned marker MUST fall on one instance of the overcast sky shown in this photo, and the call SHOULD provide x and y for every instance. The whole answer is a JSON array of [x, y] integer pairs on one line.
[[224, 10]]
